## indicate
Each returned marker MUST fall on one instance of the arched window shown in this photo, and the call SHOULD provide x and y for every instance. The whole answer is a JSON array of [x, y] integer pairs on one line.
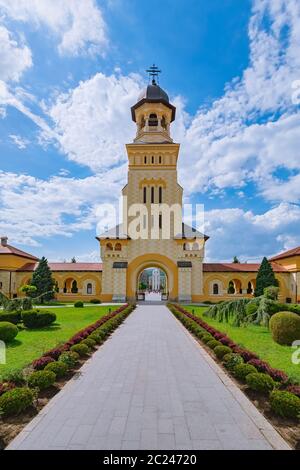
[[250, 288], [74, 288], [160, 195], [216, 289], [109, 246], [153, 121], [159, 159], [152, 195], [118, 247], [145, 194], [186, 246], [195, 246], [152, 160], [89, 288], [145, 160], [231, 288], [163, 122]]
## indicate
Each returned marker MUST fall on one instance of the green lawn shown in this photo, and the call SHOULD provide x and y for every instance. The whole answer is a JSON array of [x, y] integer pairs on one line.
[[257, 339], [30, 344]]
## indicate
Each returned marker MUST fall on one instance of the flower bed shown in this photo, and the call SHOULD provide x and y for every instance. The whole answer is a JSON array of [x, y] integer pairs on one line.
[[257, 376], [57, 364]]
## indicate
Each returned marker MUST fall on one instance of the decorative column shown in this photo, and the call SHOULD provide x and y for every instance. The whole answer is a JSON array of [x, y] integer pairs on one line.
[[184, 281], [119, 281]]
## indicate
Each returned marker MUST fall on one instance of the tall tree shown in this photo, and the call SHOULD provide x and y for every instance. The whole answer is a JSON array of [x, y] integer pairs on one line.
[[236, 260], [73, 260], [43, 281], [265, 277]]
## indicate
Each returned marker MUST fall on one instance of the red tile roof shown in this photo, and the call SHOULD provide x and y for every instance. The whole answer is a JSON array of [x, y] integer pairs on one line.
[[287, 254], [238, 267], [65, 267], [11, 250]]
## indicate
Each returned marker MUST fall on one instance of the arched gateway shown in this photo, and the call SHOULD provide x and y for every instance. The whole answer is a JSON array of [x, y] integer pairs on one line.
[[152, 233]]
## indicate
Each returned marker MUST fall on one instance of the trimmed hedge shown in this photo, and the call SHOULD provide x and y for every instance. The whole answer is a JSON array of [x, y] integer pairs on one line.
[[260, 382], [95, 301], [242, 370], [285, 327], [69, 358], [79, 304], [15, 401], [41, 379], [59, 368], [33, 319], [89, 342], [81, 349], [285, 404], [221, 351], [8, 331], [231, 360], [213, 344]]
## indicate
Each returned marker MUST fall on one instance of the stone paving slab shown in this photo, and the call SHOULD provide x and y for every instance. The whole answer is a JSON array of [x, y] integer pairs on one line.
[[150, 386]]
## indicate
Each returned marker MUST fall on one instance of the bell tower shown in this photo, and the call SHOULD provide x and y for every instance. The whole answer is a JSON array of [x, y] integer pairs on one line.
[[152, 233], [153, 112]]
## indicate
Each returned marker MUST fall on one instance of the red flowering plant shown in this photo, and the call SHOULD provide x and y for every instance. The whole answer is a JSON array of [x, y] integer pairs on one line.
[[40, 364]]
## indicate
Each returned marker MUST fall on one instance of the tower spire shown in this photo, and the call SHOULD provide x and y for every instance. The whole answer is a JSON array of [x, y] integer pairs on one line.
[[153, 73]]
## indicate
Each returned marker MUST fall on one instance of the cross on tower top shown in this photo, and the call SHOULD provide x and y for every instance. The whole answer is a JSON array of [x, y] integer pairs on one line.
[[153, 72]]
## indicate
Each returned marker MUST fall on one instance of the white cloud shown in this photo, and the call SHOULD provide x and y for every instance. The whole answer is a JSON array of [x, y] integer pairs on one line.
[[78, 24], [19, 141], [93, 122], [15, 56], [251, 236], [254, 129], [32, 208]]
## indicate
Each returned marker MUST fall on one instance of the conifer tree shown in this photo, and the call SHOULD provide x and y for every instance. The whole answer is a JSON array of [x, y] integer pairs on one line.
[[265, 277], [43, 281]]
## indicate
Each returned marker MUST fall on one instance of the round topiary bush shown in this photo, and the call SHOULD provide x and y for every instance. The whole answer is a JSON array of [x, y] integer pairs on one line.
[[260, 382], [81, 349], [285, 404], [242, 370], [69, 358], [231, 360], [95, 337], [8, 331], [41, 379], [38, 318], [285, 327], [221, 351], [91, 343], [78, 304], [59, 368], [15, 401], [213, 344]]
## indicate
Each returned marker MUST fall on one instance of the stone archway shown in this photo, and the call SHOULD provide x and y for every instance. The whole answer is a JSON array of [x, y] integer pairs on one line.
[[152, 284], [151, 260]]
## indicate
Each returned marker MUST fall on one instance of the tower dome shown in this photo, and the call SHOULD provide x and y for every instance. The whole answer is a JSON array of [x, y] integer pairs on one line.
[[153, 92]]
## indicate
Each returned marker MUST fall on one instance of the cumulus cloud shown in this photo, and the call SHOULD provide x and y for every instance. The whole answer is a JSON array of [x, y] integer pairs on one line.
[[78, 25], [32, 208], [92, 122], [15, 56], [235, 232], [253, 129]]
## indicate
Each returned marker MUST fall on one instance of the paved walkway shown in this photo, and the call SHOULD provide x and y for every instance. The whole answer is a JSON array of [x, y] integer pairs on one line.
[[150, 386]]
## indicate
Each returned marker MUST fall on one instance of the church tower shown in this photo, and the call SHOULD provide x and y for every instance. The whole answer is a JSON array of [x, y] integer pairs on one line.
[[152, 233]]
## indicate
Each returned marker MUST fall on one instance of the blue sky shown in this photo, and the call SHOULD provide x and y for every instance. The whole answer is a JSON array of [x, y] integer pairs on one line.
[[71, 69]]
